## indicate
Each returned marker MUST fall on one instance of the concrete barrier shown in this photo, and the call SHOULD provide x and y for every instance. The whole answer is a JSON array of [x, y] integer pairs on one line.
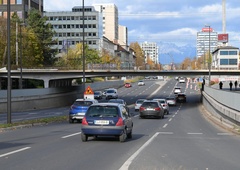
[[31, 99], [222, 104]]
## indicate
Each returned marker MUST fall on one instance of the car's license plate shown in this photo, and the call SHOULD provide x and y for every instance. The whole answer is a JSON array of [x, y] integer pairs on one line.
[[101, 122], [81, 114], [150, 109]]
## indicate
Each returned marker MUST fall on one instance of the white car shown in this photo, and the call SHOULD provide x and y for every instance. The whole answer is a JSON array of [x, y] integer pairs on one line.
[[177, 90], [138, 103], [141, 83], [181, 80]]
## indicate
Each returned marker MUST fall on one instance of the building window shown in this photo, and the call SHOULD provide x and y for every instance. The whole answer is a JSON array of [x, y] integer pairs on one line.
[[232, 61], [228, 52], [232, 52], [19, 1]]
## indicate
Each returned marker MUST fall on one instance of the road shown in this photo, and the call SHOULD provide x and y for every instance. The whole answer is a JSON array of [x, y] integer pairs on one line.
[[183, 140]]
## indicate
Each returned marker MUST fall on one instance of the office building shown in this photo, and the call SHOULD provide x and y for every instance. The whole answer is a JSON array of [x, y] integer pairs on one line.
[[150, 50], [203, 41], [22, 7], [68, 26]]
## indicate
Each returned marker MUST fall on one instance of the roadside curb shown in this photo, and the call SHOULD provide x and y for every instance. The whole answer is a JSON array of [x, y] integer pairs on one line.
[[21, 126]]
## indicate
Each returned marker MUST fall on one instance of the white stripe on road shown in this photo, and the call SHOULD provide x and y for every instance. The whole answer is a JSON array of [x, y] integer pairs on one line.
[[131, 158], [19, 150], [166, 133], [226, 134], [165, 125], [74, 134], [194, 133], [170, 120]]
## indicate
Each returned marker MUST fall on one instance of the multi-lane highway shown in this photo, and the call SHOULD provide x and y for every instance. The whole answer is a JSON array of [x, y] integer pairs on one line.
[[183, 140]]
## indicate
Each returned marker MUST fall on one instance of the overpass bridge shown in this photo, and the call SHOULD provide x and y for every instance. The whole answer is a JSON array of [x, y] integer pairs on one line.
[[60, 78]]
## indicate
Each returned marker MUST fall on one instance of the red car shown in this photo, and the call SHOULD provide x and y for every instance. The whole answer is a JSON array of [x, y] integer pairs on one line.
[[127, 85]]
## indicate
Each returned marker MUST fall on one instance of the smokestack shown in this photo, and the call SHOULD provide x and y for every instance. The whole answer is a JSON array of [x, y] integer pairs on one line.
[[224, 16]]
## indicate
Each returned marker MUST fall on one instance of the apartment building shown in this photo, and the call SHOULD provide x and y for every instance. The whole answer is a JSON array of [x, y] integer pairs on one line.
[[110, 20], [123, 36], [22, 7], [68, 26], [206, 38], [150, 50]]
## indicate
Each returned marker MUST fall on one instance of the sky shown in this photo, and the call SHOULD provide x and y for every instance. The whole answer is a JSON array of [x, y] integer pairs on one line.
[[167, 21]]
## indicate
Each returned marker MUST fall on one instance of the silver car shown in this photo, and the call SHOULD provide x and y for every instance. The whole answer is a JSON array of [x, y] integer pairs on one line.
[[164, 104]]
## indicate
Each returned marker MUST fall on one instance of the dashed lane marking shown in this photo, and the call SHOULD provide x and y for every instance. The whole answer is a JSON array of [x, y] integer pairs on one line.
[[16, 151], [74, 134]]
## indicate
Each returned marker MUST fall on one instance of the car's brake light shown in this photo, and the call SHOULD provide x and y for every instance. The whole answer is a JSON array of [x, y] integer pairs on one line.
[[84, 121], [157, 108], [119, 122], [141, 108]]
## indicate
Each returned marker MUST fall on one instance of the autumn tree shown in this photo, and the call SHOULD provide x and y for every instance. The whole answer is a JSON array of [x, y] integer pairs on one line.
[[3, 42], [140, 60]]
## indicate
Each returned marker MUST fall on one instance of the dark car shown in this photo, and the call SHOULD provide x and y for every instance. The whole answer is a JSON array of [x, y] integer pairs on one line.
[[181, 97], [107, 119], [79, 108], [151, 108], [98, 95]]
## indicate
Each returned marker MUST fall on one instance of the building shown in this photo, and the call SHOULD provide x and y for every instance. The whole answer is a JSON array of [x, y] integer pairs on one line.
[[123, 36], [150, 50], [110, 20], [22, 7], [68, 26], [226, 58], [203, 38]]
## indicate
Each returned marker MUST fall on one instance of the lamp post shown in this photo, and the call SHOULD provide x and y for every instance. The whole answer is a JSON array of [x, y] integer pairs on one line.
[[21, 51], [209, 56], [9, 86], [83, 45]]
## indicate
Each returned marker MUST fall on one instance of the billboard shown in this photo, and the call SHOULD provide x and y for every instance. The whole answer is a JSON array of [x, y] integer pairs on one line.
[[223, 38], [207, 29]]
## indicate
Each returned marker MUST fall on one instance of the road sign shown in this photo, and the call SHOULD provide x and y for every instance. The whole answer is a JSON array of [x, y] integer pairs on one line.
[[88, 90]]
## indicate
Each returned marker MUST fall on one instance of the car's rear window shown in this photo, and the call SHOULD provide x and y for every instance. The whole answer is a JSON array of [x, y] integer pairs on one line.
[[111, 91], [102, 111], [115, 101], [140, 101], [83, 103], [149, 104]]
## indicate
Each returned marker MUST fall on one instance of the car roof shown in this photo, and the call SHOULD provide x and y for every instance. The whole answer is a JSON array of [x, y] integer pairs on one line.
[[85, 100], [177, 87], [106, 104]]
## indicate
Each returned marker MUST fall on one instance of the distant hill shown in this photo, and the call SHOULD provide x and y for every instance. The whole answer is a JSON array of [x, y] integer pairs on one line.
[[170, 52]]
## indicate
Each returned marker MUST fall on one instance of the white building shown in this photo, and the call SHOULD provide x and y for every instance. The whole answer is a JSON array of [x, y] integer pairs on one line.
[[203, 38], [151, 50], [225, 58], [110, 20], [68, 26]]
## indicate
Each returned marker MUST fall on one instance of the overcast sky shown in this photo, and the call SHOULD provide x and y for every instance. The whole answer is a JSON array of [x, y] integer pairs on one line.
[[167, 21]]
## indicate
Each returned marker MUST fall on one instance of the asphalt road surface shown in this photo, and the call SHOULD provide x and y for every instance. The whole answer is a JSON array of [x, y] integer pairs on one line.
[[183, 140]]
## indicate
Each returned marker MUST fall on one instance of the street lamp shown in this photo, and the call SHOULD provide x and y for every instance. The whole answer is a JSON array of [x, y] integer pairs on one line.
[[83, 45], [21, 51], [209, 57]]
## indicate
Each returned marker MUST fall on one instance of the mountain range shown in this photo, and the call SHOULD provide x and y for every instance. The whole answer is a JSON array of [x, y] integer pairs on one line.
[[172, 53]]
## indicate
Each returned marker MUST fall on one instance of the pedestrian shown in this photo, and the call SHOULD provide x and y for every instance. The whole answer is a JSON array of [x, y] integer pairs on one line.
[[230, 84], [220, 85], [235, 84]]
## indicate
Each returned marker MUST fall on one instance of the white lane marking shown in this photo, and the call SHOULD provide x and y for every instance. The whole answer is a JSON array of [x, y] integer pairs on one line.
[[173, 116], [74, 134], [227, 134], [19, 150], [166, 133], [170, 120], [165, 125], [131, 158], [194, 133]]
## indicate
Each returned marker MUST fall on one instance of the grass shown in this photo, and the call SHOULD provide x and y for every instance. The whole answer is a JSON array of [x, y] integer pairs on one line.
[[35, 121]]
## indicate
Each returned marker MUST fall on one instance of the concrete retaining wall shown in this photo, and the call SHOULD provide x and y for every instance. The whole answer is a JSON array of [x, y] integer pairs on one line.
[[222, 104], [31, 99]]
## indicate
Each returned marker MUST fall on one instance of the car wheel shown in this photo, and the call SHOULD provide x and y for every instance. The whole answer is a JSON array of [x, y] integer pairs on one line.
[[122, 137], [129, 135], [71, 120], [84, 137]]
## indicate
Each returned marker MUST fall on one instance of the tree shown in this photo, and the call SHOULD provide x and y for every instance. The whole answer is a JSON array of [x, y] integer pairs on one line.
[[140, 60], [3, 42], [44, 34]]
